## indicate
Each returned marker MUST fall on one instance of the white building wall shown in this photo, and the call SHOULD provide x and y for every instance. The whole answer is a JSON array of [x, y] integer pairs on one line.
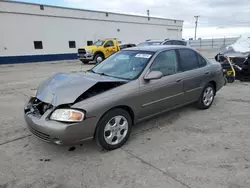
[[22, 24]]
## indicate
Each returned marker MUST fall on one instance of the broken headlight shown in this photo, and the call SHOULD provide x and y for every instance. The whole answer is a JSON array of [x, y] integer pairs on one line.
[[67, 115]]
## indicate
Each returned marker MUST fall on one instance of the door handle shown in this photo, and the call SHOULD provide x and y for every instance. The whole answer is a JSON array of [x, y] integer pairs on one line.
[[207, 72], [178, 80]]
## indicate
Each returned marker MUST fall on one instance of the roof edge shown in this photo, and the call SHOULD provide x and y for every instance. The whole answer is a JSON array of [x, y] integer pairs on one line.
[[97, 11]]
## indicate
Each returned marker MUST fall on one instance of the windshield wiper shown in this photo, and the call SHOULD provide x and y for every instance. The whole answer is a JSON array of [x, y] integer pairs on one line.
[[100, 73], [91, 71], [103, 74]]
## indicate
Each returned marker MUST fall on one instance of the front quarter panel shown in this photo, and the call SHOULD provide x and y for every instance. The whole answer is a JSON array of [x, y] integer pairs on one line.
[[97, 106]]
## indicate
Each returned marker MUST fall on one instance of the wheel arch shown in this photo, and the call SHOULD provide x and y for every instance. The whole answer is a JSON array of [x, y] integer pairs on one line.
[[99, 52], [214, 85], [124, 107]]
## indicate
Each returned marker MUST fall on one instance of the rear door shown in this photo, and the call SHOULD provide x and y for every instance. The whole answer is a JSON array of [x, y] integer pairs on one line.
[[159, 95], [195, 73]]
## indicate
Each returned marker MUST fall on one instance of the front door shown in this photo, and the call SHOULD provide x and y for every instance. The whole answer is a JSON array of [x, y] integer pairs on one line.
[[109, 48], [162, 94]]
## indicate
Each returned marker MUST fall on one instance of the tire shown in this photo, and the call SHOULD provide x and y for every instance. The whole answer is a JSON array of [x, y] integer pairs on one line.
[[97, 58], [225, 81], [230, 79], [209, 91], [109, 131], [84, 61]]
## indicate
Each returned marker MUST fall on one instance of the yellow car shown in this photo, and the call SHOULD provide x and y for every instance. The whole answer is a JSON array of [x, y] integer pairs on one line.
[[99, 51]]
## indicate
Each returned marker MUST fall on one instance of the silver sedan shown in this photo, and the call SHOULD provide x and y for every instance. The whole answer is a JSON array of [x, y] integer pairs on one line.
[[130, 86]]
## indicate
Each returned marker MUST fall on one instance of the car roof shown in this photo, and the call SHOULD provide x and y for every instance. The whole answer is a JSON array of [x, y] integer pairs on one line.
[[174, 39], [126, 44], [156, 48], [152, 41]]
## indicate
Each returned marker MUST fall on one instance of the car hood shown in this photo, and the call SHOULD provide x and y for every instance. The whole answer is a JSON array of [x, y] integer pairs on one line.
[[65, 88], [91, 47]]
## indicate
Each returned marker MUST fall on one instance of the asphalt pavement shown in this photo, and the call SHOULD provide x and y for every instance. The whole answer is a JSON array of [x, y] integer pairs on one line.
[[185, 148]]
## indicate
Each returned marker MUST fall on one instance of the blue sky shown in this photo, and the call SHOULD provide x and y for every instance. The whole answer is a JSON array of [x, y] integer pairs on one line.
[[219, 18]]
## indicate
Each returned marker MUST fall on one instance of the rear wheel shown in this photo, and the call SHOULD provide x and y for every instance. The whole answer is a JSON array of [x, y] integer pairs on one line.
[[230, 79], [225, 81], [207, 97], [113, 129]]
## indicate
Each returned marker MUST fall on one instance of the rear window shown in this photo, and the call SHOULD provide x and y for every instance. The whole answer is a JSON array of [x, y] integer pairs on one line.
[[202, 61]]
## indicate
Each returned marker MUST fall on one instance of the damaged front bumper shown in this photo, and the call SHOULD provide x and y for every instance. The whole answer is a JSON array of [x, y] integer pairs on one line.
[[57, 132]]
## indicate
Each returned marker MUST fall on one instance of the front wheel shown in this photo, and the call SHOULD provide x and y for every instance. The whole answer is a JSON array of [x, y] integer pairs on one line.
[[98, 58], [207, 97], [113, 129]]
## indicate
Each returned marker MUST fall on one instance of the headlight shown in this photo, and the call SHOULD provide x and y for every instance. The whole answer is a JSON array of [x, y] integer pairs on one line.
[[89, 52], [34, 92], [68, 115]]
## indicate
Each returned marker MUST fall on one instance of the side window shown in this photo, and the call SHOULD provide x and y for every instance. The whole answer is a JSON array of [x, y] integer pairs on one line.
[[176, 42], [38, 44], [202, 61], [182, 43], [168, 43], [89, 43], [72, 44], [166, 62], [109, 43], [188, 59]]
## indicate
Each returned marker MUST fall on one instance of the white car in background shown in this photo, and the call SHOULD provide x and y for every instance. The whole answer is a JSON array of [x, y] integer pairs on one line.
[[164, 42]]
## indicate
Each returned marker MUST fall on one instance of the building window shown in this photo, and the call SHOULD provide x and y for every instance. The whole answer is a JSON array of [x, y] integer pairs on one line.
[[38, 44], [107, 14], [41, 7], [89, 42], [72, 44]]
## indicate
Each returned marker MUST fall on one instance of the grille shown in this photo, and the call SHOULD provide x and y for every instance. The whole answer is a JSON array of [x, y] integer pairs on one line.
[[39, 134], [40, 107], [81, 51]]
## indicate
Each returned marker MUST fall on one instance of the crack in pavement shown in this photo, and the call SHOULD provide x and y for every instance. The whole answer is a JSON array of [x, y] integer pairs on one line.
[[19, 92], [156, 168], [15, 139]]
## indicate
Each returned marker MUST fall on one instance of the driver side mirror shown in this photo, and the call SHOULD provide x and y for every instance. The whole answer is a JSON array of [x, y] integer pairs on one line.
[[153, 75]]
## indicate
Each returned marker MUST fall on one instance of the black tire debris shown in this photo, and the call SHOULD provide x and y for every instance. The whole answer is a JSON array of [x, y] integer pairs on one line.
[[72, 148]]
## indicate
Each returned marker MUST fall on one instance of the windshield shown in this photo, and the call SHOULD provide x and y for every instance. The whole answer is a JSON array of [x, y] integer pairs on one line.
[[99, 43], [124, 64], [149, 43]]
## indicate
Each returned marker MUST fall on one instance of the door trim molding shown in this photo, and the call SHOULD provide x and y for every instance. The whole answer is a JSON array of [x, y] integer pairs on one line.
[[162, 99], [158, 113], [194, 89]]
